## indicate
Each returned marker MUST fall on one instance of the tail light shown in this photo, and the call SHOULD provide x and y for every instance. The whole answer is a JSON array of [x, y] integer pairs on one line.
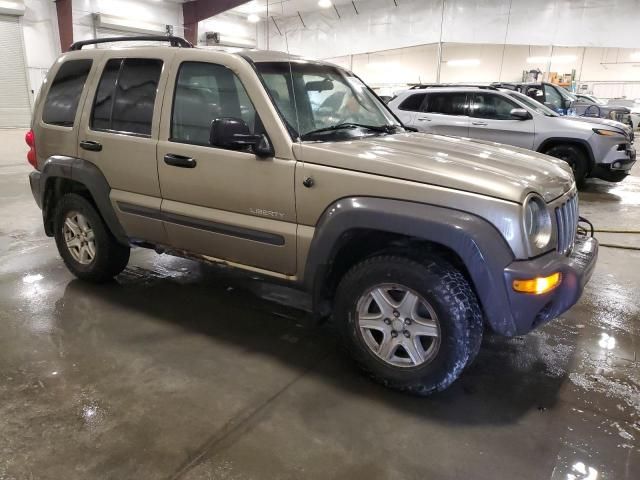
[[30, 138]]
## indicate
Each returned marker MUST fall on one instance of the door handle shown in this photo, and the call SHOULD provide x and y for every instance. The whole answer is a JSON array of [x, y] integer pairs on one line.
[[424, 119], [481, 124], [91, 145], [179, 161]]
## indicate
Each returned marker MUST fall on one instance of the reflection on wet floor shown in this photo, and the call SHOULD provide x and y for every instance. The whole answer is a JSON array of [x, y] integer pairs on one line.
[[183, 370]]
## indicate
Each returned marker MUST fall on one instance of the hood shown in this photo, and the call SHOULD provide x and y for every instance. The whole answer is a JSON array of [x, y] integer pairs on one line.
[[485, 168], [601, 122]]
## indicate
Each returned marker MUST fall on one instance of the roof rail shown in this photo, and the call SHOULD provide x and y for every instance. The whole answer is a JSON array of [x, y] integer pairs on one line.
[[174, 41], [422, 86]]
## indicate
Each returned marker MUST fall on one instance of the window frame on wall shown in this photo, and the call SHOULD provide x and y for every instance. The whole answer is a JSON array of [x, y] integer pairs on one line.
[[114, 91], [85, 72], [256, 128]]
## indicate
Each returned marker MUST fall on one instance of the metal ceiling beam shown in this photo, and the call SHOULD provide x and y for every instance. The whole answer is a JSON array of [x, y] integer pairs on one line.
[[65, 23], [198, 10]]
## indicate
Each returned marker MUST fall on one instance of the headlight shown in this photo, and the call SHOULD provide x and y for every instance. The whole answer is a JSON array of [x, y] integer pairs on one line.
[[537, 221], [608, 133]]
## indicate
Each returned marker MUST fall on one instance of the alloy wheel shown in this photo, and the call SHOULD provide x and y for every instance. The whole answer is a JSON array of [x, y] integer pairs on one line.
[[79, 238], [398, 325]]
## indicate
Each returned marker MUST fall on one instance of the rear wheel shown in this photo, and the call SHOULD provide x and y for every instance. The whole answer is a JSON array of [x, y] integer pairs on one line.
[[575, 157], [86, 246], [411, 325]]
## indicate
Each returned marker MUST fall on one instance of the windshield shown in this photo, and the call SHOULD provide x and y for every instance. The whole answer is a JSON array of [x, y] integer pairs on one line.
[[319, 101], [532, 104]]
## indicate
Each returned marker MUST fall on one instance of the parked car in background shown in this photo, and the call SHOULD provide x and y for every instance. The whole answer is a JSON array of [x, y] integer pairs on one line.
[[564, 102], [632, 105], [593, 147], [590, 98]]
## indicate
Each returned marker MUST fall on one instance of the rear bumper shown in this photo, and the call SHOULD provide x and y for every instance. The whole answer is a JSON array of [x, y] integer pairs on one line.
[[34, 181], [530, 311]]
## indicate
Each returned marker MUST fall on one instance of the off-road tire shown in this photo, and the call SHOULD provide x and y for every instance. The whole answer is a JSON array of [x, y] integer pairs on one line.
[[450, 295], [575, 157], [111, 257]]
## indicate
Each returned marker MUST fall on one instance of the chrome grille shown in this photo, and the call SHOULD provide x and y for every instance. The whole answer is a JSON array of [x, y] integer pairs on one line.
[[567, 223]]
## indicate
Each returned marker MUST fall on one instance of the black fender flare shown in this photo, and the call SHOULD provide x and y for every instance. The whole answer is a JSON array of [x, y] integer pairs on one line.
[[569, 140], [478, 243], [90, 176]]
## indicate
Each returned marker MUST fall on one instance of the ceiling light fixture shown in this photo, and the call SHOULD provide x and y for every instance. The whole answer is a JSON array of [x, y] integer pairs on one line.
[[253, 18], [464, 62], [325, 3]]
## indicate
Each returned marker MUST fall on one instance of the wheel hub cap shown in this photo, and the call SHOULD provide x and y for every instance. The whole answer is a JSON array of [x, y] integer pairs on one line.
[[398, 325], [79, 238]]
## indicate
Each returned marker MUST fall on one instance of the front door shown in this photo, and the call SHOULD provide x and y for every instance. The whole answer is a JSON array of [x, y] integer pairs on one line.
[[223, 203], [491, 120]]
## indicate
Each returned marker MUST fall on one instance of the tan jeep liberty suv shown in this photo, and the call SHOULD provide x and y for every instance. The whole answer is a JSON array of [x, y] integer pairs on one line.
[[293, 169]]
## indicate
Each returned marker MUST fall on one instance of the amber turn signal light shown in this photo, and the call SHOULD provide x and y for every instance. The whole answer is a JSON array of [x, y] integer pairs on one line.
[[538, 285]]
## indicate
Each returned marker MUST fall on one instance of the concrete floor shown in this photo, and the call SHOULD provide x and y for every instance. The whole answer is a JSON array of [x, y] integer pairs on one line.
[[179, 370]]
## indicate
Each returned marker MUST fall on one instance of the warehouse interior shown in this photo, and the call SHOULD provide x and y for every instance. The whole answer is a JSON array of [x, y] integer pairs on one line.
[[188, 370]]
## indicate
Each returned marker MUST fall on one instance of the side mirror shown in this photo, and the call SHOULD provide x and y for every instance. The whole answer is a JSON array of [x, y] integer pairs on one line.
[[520, 114], [234, 134]]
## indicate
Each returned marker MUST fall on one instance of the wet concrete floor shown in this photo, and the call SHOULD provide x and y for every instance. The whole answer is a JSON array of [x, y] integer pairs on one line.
[[181, 370]]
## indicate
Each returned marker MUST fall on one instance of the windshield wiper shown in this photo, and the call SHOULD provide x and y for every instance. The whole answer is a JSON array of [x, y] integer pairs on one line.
[[345, 125]]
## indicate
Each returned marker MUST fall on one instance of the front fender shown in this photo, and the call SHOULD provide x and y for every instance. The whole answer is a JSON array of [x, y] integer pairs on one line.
[[479, 245]]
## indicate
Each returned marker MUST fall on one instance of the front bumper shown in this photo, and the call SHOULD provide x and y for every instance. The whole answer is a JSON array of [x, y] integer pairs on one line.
[[617, 166], [530, 311]]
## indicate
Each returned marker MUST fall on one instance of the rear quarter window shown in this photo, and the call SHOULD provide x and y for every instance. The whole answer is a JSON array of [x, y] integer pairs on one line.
[[62, 100], [412, 103]]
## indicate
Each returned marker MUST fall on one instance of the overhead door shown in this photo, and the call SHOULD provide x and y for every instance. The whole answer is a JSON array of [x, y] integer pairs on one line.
[[15, 109]]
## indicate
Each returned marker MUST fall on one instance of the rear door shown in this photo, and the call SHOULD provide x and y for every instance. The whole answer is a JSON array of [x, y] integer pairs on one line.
[[491, 120], [444, 113], [409, 107], [119, 134]]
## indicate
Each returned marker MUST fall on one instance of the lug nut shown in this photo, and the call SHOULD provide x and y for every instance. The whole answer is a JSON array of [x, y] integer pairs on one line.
[[406, 333], [394, 334], [396, 313], [407, 321], [387, 321]]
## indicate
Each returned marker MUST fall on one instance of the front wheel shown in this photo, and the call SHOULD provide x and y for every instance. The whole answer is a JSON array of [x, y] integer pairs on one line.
[[576, 159], [411, 325], [86, 246]]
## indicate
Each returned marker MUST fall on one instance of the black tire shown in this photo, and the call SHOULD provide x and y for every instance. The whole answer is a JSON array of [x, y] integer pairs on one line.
[[110, 257], [575, 157], [449, 294]]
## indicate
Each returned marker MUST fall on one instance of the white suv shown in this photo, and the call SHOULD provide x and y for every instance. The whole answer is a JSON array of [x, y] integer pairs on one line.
[[594, 147]]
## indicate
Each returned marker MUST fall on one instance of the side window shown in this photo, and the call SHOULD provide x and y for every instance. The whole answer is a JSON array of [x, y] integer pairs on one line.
[[553, 98], [413, 102], [451, 103], [491, 106], [64, 94], [126, 95], [204, 92]]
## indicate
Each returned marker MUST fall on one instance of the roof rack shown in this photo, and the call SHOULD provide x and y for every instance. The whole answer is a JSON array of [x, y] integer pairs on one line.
[[174, 41], [421, 86]]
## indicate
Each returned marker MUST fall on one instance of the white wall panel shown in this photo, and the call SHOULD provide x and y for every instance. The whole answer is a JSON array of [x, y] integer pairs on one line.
[[381, 25]]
